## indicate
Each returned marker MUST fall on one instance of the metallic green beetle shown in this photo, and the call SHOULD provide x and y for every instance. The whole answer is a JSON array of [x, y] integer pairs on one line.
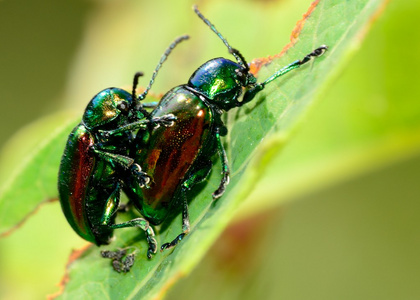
[[96, 162], [179, 157]]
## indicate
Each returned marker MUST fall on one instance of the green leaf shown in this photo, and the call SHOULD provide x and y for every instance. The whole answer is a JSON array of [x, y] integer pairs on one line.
[[34, 178], [352, 172], [275, 113], [256, 133]]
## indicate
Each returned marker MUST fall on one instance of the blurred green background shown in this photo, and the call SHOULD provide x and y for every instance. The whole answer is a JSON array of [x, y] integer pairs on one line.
[[350, 227]]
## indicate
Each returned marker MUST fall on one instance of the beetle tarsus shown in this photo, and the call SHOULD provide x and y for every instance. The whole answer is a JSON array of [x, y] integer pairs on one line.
[[317, 52], [152, 246], [166, 121], [174, 242], [222, 187], [142, 177]]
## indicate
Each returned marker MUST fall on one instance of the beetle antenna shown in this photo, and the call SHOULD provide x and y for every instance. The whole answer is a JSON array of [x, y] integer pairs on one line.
[[133, 93], [296, 64], [135, 83], [162, 60], [232, 51], [235, 52]]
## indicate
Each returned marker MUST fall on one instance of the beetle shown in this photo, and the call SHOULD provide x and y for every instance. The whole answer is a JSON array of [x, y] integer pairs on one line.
[[95, 161], [181, 156]]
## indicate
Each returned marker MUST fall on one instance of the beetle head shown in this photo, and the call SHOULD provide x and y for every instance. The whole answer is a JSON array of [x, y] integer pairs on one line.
[[109, 105], [221, 81]]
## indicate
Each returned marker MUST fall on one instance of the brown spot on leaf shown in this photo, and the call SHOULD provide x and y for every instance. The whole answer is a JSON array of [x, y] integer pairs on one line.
[[75, 254], [257, 63]]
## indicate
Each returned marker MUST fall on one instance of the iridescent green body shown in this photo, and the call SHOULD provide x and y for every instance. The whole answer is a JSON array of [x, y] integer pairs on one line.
[[179, 157], [175, 144], [170, 153], [87, 179], [74, 182], [219, 81], [95, 163]]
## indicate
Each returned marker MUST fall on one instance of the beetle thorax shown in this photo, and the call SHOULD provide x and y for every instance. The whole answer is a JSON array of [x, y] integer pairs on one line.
[[106, 107], [221, 81]]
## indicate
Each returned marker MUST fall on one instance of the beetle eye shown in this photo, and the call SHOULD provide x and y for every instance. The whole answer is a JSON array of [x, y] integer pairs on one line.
[[123, 106], [241, 76]]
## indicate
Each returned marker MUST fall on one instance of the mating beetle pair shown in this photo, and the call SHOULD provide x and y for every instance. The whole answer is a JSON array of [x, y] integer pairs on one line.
[[157, 157], [96, 162]]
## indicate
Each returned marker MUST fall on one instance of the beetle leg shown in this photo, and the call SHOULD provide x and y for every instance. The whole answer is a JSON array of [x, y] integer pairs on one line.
[[113, 158], [199, 175], [125, 162], [225, 167], [142, 124], [166, 120], [250, 94], [145, 226], [185, 222], [142, 178], [111, 206]]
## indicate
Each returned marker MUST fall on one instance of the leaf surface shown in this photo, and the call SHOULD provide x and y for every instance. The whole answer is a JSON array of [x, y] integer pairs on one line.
[[256, 132]]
